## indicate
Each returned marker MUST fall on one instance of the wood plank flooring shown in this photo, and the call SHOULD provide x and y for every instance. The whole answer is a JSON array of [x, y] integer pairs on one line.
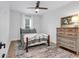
[[11, 51]]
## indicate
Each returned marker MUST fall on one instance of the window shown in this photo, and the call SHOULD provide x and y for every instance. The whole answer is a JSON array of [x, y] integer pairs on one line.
[[28, 22]]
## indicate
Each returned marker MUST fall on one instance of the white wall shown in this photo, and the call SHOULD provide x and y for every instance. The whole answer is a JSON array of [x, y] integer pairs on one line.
[[15, 24], [36, 22], [51, 20], [4, 26], [49, 24]]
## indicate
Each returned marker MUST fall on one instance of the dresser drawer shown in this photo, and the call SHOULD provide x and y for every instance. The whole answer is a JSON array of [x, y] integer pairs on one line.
[[71, 42], [60, 29], [70, 30], [67, 46], [66, 38], [71, 34], [60, 33]]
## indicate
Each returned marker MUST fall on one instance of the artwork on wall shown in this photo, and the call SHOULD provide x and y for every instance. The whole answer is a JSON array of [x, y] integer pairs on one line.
[[66, 20], [69, 21]]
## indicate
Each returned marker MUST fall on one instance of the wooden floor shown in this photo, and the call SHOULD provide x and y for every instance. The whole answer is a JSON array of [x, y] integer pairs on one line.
[[11, 50]]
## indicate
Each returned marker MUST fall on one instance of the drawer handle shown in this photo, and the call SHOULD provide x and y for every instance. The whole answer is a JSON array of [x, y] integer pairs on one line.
[[70, 34], [60, 33], [69, 30], [61, 30]]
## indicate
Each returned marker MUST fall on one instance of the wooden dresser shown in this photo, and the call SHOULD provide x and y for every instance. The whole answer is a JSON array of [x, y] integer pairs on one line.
[[68, 38]]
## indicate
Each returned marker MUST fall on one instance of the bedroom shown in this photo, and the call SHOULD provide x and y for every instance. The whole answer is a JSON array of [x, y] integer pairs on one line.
[[45, 21]]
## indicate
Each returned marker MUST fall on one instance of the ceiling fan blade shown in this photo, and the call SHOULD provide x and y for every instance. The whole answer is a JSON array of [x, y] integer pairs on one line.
[[43, 8], [31, 7]]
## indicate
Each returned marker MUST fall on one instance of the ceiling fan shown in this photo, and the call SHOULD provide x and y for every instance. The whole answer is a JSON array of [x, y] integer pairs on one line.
[[37, 7]]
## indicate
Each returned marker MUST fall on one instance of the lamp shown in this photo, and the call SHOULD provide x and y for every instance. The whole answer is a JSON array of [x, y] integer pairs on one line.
[[75, 20]]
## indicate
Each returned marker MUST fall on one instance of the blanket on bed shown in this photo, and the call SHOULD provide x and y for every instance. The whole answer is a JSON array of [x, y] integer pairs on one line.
[[37, 36]]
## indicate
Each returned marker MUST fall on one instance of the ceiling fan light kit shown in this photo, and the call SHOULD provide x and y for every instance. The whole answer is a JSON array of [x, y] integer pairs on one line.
[[37, 10]]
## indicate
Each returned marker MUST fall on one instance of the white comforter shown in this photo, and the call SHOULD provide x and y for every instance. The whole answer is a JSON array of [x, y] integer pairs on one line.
[[34, 36]]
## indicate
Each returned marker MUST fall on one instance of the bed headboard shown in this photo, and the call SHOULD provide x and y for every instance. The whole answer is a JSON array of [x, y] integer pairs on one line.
[[27, 30]]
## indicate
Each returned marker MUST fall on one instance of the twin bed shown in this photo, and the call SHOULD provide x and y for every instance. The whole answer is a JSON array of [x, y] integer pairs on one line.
[[31, 37]]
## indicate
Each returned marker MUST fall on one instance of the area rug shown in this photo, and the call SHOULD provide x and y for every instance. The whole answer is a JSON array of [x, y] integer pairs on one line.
[[43, 51]]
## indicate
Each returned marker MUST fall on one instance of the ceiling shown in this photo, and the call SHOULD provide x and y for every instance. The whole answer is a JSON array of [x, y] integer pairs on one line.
[[21, 6]]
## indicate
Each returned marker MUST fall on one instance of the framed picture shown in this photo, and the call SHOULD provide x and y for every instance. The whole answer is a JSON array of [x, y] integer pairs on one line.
[[66, 21]]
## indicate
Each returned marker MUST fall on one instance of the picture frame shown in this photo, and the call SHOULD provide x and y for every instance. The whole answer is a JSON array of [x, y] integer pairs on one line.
[[66, 21]]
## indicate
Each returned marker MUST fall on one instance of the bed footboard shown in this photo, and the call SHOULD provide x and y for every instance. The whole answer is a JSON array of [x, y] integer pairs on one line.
[[48, 42]]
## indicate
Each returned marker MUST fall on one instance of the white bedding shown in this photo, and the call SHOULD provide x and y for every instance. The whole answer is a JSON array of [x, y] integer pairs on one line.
[[34, 36]]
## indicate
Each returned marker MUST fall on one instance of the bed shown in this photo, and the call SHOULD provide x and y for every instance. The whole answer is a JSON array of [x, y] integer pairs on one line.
[[30, 38]]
